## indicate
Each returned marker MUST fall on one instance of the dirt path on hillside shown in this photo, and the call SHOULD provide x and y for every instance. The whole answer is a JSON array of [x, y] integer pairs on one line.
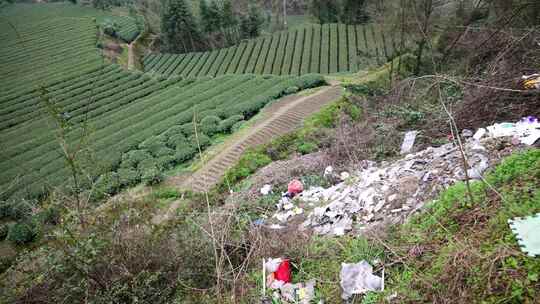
[[280, 118], [131, 57]]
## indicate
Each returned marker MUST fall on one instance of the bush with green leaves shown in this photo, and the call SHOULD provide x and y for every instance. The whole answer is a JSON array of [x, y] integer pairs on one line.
[[23, 232], [48, 215], [134, 157], [185, 153], [150, 172], [237, 126], [108, 183], [175, 140], [226, 125], [292, 90], [15, 210], [128, 177], [210, 125], [4, 229]]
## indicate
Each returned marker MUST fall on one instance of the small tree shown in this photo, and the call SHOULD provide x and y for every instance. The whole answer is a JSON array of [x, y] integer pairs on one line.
[[101, 4], [354, 12], [325, 11], [250, 25], [180, 32]]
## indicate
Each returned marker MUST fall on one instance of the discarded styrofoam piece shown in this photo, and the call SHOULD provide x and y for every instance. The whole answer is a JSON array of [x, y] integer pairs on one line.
[[306, 293], [527, 233], [284, 216], [526, 130], [272, 264], [479, 134], [358, 278], [477, 171], [408, 142], [266, 189], [328, 171], [288, 206], [344, 176], [466, 133], [276, 227]]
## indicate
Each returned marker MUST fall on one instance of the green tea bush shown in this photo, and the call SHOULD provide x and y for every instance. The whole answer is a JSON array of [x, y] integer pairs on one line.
[[176, 140], [108, 183], [209, 125], [132, 158], [185, 153], [204, 141], [15, 209], [49, 215], [237, 126], [188, 129], [128, 177], [163, 151], [226, 125], [292, 90], [23, 232], [167, 161], [150, 172]]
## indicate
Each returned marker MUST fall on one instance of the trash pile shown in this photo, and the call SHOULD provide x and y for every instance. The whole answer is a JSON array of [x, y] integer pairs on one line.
[[391, 191], [355, 278], [279, 281]]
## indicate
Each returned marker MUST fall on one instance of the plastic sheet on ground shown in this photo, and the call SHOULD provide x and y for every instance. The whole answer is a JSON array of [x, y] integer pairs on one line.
[[358, 278], [527, 130], [527, 232], [408, 142]]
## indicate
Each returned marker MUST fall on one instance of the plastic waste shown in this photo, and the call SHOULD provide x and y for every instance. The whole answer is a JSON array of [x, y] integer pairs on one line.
[[307, 292], [328, 171], [408, 142], [359, 278], [527, 130], [477, 171], [526, 232], [344, 176], [266, 189], [466, 133], [295, 187], [531, 82], [479, 134]]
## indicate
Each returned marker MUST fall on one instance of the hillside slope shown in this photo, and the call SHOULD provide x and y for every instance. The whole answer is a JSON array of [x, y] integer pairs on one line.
[[326, 49]]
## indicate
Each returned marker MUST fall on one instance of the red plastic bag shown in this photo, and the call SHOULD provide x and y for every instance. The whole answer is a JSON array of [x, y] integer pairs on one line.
[[283, 273], [295, 187]]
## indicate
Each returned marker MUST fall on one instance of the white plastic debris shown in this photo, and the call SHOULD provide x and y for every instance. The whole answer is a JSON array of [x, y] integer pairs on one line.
[[477, 171], [527, 130], [466, 133], [358, 279], [479, 134], [266, 189], [272, 265], [408, 142], [344, 176], [328, 171]]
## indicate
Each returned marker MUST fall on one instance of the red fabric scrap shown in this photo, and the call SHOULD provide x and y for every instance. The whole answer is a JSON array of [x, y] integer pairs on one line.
[[283, 273]]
